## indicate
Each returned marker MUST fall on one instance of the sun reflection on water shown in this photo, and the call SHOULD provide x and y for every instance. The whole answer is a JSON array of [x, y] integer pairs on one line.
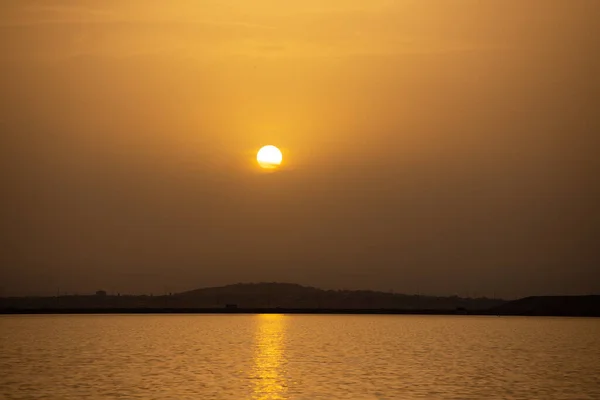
[[269, 372]]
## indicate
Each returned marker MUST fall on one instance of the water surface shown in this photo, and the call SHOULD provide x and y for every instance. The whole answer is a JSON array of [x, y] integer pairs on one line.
[[298, 357]]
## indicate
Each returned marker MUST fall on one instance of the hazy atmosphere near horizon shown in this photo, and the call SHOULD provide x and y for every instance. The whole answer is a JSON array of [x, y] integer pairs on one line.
[[436, 147]]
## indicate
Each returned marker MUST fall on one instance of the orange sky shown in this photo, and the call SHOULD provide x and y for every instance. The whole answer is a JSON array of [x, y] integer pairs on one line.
[[435, 146]]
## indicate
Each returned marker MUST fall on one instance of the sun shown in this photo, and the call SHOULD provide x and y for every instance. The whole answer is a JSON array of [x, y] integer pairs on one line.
[[269, 157]]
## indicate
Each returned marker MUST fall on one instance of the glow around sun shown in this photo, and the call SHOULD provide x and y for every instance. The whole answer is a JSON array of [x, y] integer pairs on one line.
[[269, 157]]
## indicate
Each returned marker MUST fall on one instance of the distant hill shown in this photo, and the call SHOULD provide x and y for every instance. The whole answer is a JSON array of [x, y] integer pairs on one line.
[[258, 295], [575, 306], [288, 295]]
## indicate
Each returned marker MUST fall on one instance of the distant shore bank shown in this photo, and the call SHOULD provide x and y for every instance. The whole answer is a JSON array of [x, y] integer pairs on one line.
[[48, 311]]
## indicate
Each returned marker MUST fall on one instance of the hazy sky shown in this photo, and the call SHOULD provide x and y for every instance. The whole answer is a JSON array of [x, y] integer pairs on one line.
[[430, 146]]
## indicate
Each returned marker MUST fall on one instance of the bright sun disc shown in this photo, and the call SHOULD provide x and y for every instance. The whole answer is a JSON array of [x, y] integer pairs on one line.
[[269, 157]]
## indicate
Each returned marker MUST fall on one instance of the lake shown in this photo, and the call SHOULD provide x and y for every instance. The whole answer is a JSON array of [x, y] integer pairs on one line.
[[298, 357]]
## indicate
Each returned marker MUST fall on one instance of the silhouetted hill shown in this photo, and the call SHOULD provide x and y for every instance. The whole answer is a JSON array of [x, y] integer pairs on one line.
[[575, 306], [257, 295], [288, 295]]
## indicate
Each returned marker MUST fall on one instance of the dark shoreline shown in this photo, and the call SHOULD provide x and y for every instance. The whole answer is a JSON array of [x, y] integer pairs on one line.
[[318, 311]]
